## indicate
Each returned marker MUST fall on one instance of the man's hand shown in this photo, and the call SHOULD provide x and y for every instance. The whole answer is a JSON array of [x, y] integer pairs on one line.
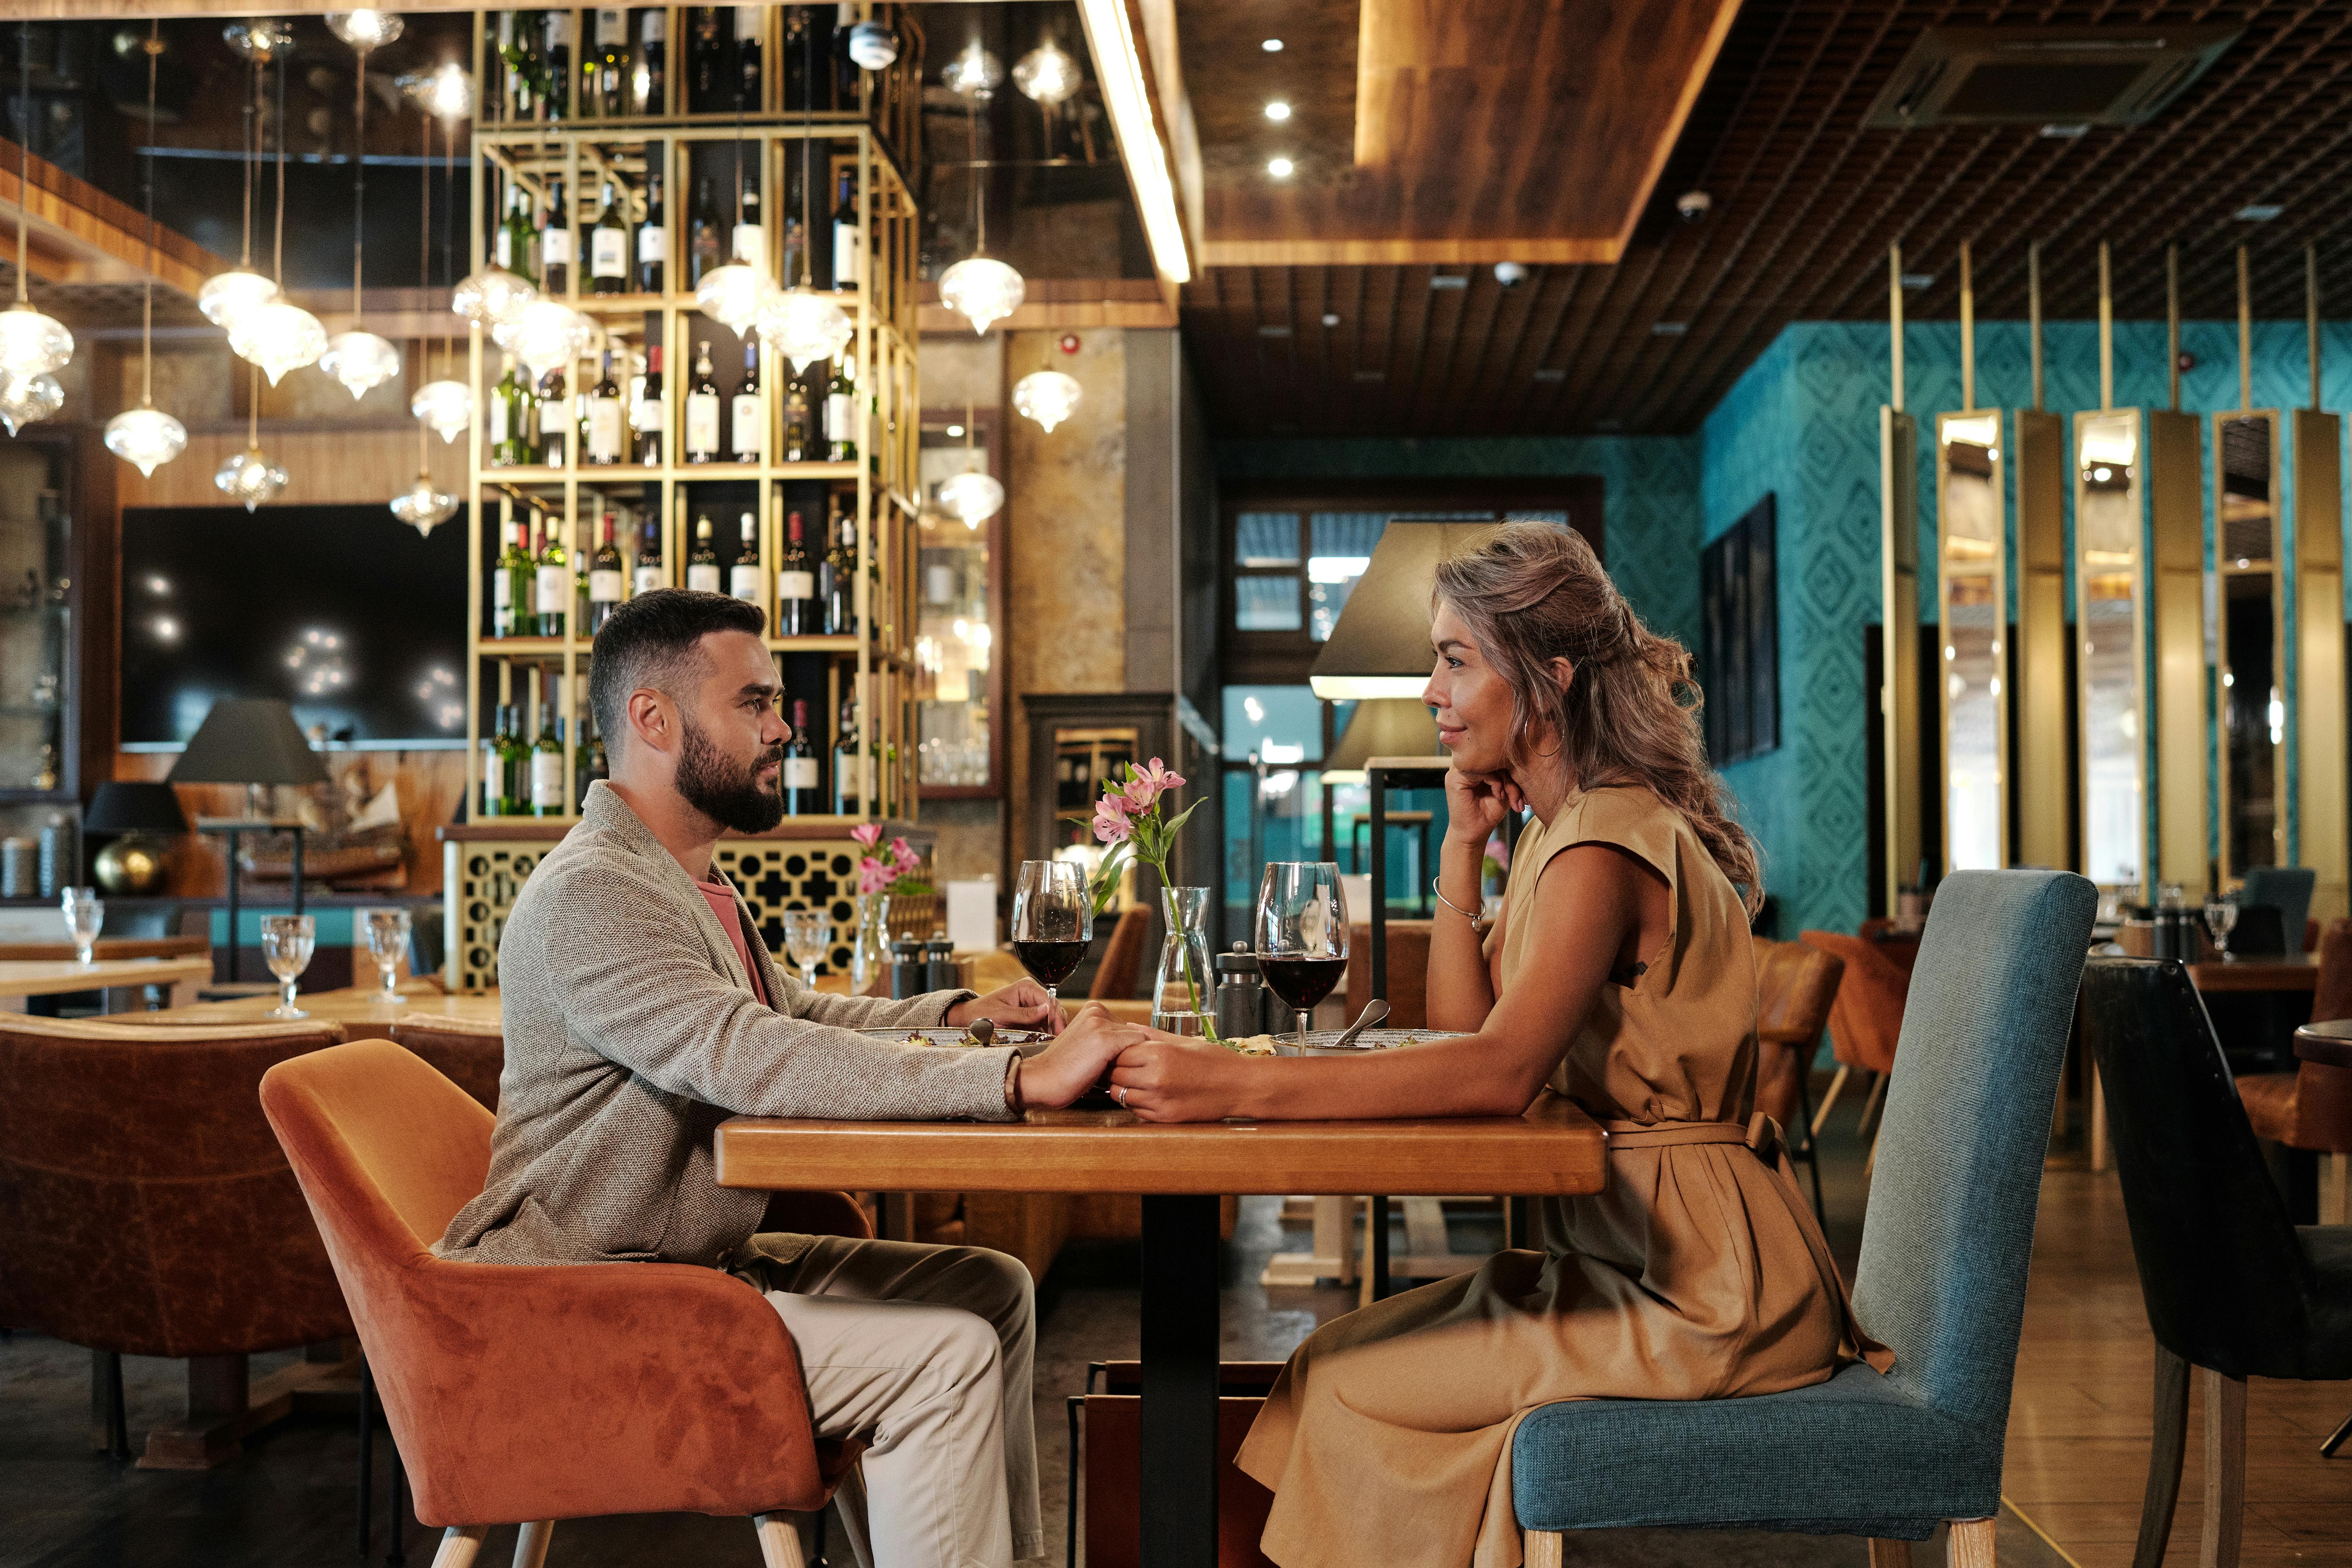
[[1024, 1004], [1076, 1060]]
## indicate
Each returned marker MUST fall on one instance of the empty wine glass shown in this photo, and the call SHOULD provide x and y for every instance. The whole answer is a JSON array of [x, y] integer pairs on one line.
[[2221, 918], [1051, 922], [286, 944], [84, 914], [807, 935], [387, 939], [1302, 933]]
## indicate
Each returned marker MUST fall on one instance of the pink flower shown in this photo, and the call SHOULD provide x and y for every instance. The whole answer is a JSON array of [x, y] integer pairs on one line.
[[1157, 776], [873, 877], [1139, 796], [905, 858], [1111, 825], [867, 833]]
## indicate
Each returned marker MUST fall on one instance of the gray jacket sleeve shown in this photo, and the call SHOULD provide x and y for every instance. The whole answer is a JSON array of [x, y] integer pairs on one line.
[[636, 986]]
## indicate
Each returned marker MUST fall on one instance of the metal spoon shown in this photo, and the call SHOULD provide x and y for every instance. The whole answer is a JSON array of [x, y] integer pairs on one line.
[[982, 1032], [1374, 1010]]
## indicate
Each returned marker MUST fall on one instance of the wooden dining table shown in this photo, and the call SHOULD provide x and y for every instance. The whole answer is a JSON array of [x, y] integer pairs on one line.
[[2284, 971], [1180, 1171], [349, 1006], [64, 976]]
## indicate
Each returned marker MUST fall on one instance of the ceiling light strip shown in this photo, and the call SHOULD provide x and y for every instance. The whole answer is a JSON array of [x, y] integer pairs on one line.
[[1119, 65]]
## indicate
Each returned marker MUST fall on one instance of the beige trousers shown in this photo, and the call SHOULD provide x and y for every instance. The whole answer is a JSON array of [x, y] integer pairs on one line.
[[925, 1353]]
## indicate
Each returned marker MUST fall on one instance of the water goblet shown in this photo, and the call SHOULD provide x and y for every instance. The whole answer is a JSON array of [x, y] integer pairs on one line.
[[807, 935], [387, 939], [84, 914], [2221, 918], [1051, 922], [286, 944], [1302, 933]]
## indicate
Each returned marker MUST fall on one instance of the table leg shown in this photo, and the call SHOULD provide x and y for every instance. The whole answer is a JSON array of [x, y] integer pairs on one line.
[[1180, 1381]]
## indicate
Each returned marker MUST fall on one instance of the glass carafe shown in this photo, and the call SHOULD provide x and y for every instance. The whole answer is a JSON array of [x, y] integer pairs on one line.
[[1181, 1000], [869, 948]]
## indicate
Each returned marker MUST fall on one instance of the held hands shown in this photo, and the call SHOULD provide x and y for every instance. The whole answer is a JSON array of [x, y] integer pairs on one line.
[[1024, 1004], [1164, 1078], [1078, 1056]]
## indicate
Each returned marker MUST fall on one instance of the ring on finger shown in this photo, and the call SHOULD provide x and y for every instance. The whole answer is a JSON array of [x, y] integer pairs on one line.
[[1119, 1094]]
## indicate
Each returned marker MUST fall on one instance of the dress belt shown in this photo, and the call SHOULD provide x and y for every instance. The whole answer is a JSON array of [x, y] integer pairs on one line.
[[1761, 1133]]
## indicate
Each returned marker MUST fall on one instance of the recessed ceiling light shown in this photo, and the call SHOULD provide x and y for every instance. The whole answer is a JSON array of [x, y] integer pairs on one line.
[[955, 430], [1280, 168], [1914, 281], [2257, 212], [1331, 318], [1278, 110], [1668, 329], [2059, 131], [1273, 330], [1272, 46]]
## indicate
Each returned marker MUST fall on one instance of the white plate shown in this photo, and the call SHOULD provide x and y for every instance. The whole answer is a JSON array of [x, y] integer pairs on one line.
[[953, 1037], [1319, 1042]]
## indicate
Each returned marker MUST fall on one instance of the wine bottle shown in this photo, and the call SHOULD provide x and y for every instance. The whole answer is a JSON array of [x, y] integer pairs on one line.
[[750, 241], [702, 51], [745, 580], [588, 763], [796, 60], [555, 247], [841, 415], [848, 247], [554, 582], [514, 244], [702, 409], [510, 587], [848, 763], [518, 92], [652, 235], [650, 573], [607, 578], [748, 412], [508, 445], [702, 249], [799, 612], [606, 420], [547, 790], [841, 587], [702, 561], [608, 248], [514, 756], [555, 68], [548, 405], [649, 82], [645, 416], [605, 68], [494, 766], [804, 792], [847, 79], [748, 19], [800, 440]]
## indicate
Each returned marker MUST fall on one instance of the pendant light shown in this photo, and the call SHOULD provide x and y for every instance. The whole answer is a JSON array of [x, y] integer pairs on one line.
[[1046, 75], [733, 295], [801, 324], [24, 400], [31, 344], [279, 335], [250, 477], [974, 73], [1047, 396], [146, 436], [363, 361], [424, 506], [447, 92], [228, 295], [446, 404], [981, 287], [973, 496]]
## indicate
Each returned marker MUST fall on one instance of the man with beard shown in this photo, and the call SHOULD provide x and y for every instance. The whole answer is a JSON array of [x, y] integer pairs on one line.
[[641, 1009]]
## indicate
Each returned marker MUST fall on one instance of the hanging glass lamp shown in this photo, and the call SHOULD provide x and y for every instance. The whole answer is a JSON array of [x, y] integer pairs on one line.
[[422, 506], [26, 400], [228, 295], [733, 295], [983, 290], [146, 438], [971, 497], [1046, 75], [1047, 396], [547, 333], [360, 361], [32, 343], [446, 406], [365, 30], [250, 478], [805, 326], [278, 336]]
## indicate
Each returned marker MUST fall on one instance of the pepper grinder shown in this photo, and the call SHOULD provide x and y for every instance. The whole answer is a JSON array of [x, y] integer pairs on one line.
[[1241, 995]]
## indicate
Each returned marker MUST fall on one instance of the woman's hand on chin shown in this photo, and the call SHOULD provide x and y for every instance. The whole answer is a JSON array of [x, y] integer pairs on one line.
[[1168, 1079], [1476, 803]]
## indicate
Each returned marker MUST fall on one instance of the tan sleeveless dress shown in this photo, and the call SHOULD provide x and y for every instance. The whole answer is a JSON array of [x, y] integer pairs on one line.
[[1698, 1274]]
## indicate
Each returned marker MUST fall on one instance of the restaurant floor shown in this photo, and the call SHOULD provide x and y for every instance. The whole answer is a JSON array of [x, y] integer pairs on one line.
[[2076, 1461]]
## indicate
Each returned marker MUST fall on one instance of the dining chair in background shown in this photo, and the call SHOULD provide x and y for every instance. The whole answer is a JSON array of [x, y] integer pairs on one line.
[[1796, 987], [469, 1052], [1865, 1021], [2309, 1110], [2232, 1288], [2286, 888], [1122, 957], [1941, 1282], [523, 1395], [145, 1209]]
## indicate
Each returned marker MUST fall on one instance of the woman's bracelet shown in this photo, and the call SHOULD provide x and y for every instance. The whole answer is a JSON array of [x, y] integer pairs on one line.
[[1478, 922]]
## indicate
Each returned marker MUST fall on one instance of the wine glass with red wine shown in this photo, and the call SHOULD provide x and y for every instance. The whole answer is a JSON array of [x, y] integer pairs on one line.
[[1051, 920], [1302, 933]]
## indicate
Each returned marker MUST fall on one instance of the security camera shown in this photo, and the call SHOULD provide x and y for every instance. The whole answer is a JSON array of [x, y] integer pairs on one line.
[[1692, 206], [1510, 274]]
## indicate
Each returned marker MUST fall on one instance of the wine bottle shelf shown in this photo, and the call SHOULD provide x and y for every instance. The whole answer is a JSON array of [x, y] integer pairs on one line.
[[618, 475], [549, 649]]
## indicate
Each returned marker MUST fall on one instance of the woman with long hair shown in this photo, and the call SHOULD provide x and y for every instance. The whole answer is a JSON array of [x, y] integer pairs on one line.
[[1619, 975]]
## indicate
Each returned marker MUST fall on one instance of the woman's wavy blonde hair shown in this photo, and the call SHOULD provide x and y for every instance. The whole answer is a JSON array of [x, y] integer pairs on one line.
[[1534, 592]]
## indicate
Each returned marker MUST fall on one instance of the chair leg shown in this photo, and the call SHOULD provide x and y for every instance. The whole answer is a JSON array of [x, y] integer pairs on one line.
[[459, 1546], [1968, 1543], [780, 1540], [1870, 1106], [367, 1454], [2225, 1468], [530, 1544], [2336, 1439], [1837, 1085], [1889, 1553], [2098, 1112], [2164, 1457], [1813, 1150], [1541, 1548]]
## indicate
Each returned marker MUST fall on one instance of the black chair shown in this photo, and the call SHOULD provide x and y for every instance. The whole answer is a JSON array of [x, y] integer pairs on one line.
[[2232, 1288]]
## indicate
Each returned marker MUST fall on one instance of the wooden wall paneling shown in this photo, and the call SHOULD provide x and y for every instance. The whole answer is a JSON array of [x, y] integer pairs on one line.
[[2045, 807], [326, 467], [2177, 625]]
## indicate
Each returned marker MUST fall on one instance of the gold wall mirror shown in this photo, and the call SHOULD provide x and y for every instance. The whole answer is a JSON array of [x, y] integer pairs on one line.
[[2111, 597], [2253, 641], [1973, 604]]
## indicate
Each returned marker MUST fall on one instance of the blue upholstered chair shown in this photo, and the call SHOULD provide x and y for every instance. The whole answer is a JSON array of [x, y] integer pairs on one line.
[[1941, 1281]]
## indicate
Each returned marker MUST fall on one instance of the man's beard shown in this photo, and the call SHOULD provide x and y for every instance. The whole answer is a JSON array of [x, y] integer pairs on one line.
[[732, 797]]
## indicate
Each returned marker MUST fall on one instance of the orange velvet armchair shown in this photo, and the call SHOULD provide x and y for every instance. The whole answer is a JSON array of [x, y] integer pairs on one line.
[[526, 1396], [1865, 1020], [2311, 1107]]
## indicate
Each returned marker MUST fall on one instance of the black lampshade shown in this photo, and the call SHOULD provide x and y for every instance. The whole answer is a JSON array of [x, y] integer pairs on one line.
[[1383, 727], [249, 741], [122, 808], [1380, 645]]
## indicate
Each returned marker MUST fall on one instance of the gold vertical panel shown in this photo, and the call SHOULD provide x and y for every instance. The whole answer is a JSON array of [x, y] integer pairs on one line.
[[2177, 615], [1973, 616], [2319, 706], [2045, 807], [2110, 618], [2249, 568], [1898, 698]]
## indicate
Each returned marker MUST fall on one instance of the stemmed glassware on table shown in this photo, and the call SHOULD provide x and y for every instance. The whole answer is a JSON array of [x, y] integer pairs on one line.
[[286, 944], [807, 935], [1301, 930], [2222, 918], [84, 914], [1052, 922], [387, 939]]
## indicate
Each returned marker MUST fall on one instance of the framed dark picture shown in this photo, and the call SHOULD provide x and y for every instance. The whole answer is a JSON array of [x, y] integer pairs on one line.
[[1740, 663]]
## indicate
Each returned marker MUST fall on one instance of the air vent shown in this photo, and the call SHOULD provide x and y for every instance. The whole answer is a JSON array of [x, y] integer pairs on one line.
[[2044, 76]]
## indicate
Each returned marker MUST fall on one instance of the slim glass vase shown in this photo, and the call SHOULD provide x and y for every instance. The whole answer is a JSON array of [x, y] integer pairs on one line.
[[1180, 1001], [869, 950]]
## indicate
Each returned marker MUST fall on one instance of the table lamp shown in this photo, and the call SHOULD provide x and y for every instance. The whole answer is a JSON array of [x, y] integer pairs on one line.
[[145, 815], [1381, 727], [1379, 646], [253, 741]]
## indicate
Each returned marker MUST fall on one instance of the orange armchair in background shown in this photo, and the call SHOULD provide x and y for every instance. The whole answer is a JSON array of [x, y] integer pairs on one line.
[[1865, 1020], [676, 1389]]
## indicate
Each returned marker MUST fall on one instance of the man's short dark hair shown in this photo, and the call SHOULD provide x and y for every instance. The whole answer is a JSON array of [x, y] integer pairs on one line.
[[651, 641]]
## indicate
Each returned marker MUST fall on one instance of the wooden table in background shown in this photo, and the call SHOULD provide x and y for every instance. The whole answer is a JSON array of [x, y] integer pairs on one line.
[[2291, 971], [110, 947], [64, 976], [354, 1007], [1554, 1150]]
